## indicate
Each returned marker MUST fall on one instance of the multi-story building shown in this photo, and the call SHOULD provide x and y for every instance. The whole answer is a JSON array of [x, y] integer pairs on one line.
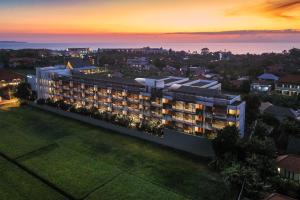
[[78, 52], [288, 85], [144, 50], [192, 106]]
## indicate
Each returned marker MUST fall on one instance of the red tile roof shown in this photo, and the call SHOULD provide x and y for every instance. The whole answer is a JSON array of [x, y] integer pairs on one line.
[[276, 196], [290, 78], [8, 76], [289, 162]]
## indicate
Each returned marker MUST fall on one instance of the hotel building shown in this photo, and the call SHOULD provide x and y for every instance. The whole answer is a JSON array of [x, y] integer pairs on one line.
[[193, 107]]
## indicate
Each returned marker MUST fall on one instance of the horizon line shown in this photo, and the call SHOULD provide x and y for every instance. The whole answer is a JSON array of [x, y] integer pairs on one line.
[[254, 31]]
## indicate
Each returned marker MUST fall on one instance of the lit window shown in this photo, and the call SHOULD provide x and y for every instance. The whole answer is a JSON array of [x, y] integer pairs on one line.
[[232, 112], [231, 123]]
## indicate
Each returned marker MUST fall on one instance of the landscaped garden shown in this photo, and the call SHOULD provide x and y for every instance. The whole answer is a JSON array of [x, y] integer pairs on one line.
[[87, 162]]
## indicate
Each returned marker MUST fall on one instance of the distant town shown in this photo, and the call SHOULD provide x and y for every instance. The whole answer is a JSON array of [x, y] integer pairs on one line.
[[242, 112]]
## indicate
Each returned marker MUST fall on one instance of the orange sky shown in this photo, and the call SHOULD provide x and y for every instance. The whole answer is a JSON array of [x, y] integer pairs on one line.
[[145, 16], [91, 20]]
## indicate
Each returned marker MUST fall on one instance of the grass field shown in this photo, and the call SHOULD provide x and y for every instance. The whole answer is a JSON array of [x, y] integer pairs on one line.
[[90, 163]]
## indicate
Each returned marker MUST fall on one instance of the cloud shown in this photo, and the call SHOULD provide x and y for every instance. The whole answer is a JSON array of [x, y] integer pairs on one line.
[[285, 9], [243, 32]]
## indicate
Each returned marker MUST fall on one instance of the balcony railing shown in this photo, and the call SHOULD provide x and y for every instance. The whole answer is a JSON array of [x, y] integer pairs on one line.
[[184, 120]]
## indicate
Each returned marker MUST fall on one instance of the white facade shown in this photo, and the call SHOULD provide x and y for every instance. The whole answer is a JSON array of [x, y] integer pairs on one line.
[[44, 79]]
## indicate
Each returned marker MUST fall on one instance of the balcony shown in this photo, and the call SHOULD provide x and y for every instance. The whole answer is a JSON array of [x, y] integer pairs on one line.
[[166, 112], [220, 116], [156, 114], [103, 94], [184, 120], [156, 104], [147, 113], [133, 109], [134, 100], [66, 87], [181, 109], [117, 107], [117, 97], [219, 124]]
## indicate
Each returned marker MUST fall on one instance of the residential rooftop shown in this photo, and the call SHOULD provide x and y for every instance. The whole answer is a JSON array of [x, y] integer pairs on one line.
[[289, 162], [97, 78], [8, 76], [291, 78], [267, 76], [276, 196]]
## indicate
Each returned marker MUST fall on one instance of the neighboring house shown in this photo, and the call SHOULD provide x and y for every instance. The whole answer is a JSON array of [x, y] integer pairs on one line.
[[140, 63], [204, 51], [261, 86], [8, 78], [197, 71], [264, 83], [280, 113], [288, 166], [73, 63], [268, 77], [276, 196], [288, 85], [144, 50], [78, 52], [171, 70], [263, 106]]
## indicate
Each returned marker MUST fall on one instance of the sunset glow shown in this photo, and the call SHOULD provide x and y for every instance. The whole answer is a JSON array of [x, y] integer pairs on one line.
[[145, 16]]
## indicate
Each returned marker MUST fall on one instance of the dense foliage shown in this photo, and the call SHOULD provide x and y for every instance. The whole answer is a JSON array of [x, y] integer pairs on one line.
[[153, 127], [245, 161], [23, 91]]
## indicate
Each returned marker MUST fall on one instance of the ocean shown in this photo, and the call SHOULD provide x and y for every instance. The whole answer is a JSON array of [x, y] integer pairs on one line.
[[236, 47]]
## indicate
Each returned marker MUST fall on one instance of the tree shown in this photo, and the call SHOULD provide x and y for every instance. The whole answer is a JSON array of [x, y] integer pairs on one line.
[[245, 87], [236, 174], [23, 91], [245, 161], [226, 140], [252, 108], [159, 63]]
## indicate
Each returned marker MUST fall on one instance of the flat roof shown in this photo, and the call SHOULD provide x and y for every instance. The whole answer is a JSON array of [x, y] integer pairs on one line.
[[97, 78], [200, 83], [204, 92], [170, 80]]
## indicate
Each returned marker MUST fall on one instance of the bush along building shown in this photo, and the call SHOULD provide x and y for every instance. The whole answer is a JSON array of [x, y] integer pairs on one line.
[[195, 107]]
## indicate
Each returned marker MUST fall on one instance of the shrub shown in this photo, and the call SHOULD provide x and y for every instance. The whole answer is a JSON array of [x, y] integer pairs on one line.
[[287, 187], [50, 102], [83, 111], [73, 109], [41, 101]]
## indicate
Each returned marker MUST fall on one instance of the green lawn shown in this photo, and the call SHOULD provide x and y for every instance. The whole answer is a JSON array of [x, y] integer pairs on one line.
[[130, 187], [86, 161], [16, 184]]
